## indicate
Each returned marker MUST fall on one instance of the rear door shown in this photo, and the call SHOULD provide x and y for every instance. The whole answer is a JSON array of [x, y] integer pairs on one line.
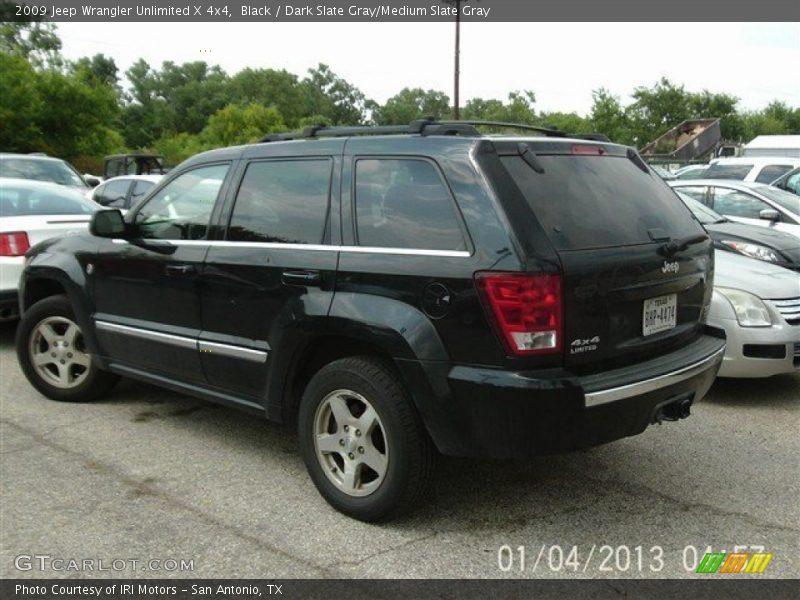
[[272, 273], [628, 293]]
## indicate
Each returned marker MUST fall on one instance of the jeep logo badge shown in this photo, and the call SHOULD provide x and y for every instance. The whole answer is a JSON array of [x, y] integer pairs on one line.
[[670, 267]]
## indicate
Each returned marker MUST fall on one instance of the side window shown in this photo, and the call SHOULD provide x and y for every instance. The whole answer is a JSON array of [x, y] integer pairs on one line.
[[737, 204], [282, 201], [182, 209], [792, 184], [698, 192], [140, 189], [113, 193], [771, 172], [403, 203]]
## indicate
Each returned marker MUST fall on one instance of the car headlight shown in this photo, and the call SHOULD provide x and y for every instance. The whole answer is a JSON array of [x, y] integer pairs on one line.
[[750, 310], [753, 250]]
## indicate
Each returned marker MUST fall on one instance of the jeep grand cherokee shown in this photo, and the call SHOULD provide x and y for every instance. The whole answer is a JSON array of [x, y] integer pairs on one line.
[[392, 291]]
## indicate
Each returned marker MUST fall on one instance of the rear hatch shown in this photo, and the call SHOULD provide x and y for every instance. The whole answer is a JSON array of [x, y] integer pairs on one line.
[[636, 264]]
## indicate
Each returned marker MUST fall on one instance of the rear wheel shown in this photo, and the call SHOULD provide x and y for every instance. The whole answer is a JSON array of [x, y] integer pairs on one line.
[[53, 355], [362, 441]]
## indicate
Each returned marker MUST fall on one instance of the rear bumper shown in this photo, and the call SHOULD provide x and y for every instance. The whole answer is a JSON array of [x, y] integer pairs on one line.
[[501, 414]]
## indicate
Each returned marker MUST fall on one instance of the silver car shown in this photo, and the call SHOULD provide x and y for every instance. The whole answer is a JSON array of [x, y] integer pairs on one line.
[[752, 203], [758, 306]]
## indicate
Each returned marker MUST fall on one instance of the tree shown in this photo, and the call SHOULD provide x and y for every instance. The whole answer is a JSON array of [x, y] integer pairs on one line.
[[518, 109], [236, 124], [34, 41], [269, 87], [607, 116], [410, 104], [98, 69], [327, 94], [655, 110], [20, 105]]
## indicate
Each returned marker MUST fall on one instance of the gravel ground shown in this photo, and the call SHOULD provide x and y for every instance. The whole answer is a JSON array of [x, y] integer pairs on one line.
[[149, 474]]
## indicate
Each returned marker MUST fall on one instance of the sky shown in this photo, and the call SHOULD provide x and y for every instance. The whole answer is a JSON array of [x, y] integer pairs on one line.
[[561, 62]]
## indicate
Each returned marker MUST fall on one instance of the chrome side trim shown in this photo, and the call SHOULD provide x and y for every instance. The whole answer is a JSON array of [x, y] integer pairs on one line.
[[146, 334], [649, 385], [258, 356], [180, 341], [316, 247]]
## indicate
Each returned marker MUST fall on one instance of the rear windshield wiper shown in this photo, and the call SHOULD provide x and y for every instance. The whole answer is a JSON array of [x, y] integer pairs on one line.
[[680, 244], [529, 156]]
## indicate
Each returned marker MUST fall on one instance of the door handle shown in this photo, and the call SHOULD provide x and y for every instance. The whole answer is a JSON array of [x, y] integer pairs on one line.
[[301, 277], [180, 270]]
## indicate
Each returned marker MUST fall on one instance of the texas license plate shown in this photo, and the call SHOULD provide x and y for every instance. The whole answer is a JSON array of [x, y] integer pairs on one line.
[[659, 314]]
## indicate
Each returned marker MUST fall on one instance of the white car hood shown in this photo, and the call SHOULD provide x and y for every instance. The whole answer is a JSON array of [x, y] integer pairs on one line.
[[758, 277]]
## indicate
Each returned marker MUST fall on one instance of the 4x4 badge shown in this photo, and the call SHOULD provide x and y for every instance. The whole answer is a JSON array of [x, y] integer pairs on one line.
[[584, 345]]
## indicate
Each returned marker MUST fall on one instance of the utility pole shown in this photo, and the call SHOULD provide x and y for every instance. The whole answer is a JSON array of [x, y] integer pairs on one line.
[[457, 67], [457, 71]]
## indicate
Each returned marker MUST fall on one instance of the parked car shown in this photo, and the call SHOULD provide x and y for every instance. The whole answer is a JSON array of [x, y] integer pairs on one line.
[[392, 295], [758, 306], [133, 164], [777, 247], [691, 172], [752, 203], [790, 182], [31, 211], [40, 167], [751, 169], [124, 192]]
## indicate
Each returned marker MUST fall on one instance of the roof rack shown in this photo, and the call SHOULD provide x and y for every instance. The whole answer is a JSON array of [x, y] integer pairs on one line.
[[425, 126]]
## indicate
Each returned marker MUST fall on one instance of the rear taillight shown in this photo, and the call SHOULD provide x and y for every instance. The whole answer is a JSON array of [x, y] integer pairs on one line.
[[14, 243], [525, 309]]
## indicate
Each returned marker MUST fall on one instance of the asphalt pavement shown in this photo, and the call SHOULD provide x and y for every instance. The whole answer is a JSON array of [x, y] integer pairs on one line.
[[149, 475]]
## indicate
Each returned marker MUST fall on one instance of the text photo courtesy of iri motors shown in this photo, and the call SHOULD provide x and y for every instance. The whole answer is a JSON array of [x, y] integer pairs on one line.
[[462, 294]]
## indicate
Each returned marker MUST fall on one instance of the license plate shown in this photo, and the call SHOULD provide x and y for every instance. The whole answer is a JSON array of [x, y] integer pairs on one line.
[[659, 314]]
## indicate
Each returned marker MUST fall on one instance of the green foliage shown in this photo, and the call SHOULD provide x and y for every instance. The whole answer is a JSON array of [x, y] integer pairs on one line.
[[80, 112], [518, 109], [410, 104], [236, 124]]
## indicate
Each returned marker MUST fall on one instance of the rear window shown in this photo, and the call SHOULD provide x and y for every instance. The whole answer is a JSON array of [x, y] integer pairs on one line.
[[596, 202], [771, 172], [23, 202], [51, 171], [735, 172]]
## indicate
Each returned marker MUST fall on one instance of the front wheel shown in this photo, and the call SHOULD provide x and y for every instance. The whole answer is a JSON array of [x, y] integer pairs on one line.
[[362, 441], [53, 355]]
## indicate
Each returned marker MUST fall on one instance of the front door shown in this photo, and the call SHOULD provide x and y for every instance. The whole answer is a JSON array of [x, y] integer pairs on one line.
[[146, 287]]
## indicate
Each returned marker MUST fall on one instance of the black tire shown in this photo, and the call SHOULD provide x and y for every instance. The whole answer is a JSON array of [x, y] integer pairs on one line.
[[94, 383], [409, 449]]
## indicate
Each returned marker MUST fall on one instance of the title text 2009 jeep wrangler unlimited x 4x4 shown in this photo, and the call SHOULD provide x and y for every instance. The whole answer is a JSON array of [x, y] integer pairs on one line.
[[428, 288]]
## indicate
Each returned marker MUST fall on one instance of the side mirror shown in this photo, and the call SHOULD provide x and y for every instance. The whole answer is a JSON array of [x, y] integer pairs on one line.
[[769, 214], [91, 180], [108, 223]]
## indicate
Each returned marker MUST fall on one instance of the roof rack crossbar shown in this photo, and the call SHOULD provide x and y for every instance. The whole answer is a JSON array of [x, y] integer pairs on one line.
[[549, 131]]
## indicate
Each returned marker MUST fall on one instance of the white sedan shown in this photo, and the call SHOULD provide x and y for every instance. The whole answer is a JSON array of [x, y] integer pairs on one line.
[[123, 192], [32, 211], [758, 306]]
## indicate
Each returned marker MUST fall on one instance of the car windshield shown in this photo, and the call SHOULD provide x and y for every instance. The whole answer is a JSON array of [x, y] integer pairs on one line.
[[53, 171], [736, 172], [22, 201], [704, 214], [783, 198]]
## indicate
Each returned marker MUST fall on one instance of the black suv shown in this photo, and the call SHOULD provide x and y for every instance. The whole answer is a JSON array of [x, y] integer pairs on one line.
[[392, 291]]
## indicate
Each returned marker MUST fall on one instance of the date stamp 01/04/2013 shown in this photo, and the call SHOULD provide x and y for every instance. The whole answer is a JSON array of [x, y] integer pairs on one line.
[[741, 560]]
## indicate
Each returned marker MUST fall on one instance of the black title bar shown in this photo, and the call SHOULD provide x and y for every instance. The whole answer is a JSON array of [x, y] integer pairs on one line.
[[405, 10]]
